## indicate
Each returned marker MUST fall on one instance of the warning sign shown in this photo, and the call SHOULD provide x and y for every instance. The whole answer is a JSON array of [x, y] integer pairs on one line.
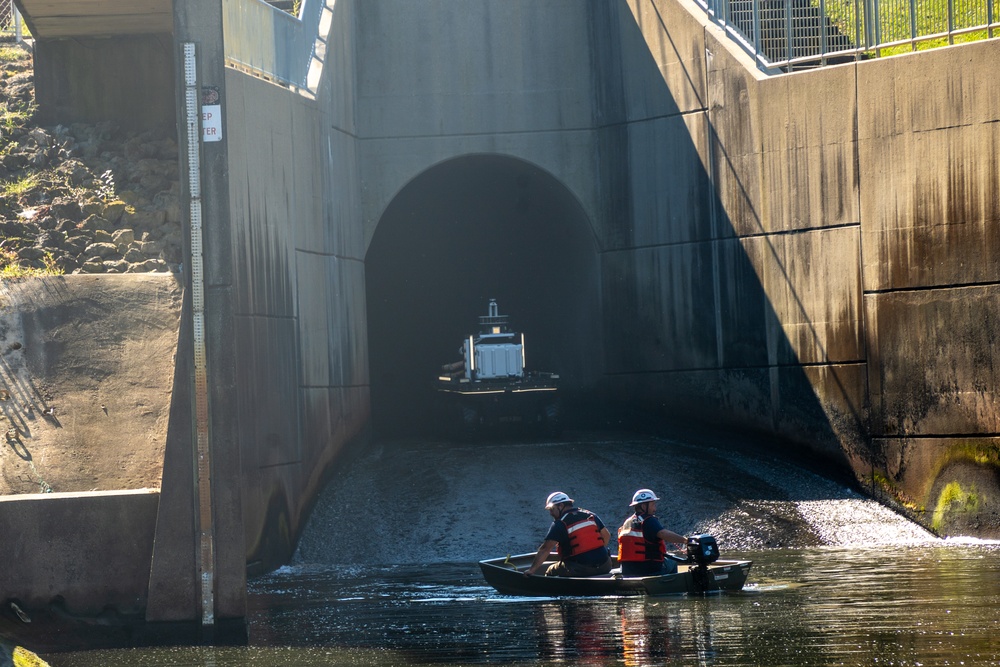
[[211, 122]]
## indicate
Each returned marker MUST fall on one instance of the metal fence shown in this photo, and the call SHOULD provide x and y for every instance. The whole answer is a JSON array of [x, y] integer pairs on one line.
[[797, 34], [11, 27]]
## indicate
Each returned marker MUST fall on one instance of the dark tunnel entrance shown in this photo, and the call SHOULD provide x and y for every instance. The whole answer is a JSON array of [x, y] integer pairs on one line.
[[463, 232]]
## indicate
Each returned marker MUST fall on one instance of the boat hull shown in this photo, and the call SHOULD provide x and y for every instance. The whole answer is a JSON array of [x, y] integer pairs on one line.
[[506, 575]]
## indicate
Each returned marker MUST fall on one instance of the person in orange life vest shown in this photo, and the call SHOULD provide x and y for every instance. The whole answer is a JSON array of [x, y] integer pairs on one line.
[[642, 540], [581, 537]]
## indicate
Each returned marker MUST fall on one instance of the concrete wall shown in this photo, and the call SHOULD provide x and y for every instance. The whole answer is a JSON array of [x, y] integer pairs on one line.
[[851, 257], [298, 291], [67, 547], [127, 80], [512, 78], [729, 211], [741, 248]]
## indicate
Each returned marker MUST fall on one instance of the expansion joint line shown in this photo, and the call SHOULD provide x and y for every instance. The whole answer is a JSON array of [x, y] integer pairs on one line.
[[204, 553]]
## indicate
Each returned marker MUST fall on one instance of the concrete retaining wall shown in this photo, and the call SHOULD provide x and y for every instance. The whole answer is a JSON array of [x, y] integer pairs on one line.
[[86, 553], [864, 202]]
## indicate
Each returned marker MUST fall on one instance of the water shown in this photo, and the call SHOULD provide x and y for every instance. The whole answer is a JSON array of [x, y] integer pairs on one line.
[[386, 571], [934, 604]]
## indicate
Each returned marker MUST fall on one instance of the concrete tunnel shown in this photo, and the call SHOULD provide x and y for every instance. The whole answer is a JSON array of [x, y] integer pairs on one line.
[[464, 231]]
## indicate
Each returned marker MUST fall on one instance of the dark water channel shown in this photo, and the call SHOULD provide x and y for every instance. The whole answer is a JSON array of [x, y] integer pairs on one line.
[[386, 571], [912, 605]]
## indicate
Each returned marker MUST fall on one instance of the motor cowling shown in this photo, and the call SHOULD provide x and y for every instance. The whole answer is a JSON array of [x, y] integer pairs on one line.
[[702, 549]]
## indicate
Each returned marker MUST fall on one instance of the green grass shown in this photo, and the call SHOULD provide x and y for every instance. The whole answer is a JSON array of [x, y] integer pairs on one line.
[[931, 17], [20, 186], [12, 54], [11, 117], [11, 270]]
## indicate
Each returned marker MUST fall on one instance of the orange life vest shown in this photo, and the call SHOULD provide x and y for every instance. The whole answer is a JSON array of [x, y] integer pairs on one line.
[[584, 535], [633, 545]]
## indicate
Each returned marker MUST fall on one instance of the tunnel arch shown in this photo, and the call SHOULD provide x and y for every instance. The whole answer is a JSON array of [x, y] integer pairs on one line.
[[461, 232]]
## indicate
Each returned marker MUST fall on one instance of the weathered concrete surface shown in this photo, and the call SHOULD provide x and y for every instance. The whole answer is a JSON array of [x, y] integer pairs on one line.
[[127, 80], [87, 367], [900, 192], [80, 554], [96, 18]]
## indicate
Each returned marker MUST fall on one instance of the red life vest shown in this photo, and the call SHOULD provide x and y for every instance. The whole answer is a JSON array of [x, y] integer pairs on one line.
[[633, 545], [584, 535]]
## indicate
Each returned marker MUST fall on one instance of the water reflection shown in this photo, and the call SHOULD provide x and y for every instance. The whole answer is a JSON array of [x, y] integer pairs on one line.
[[932, 605]]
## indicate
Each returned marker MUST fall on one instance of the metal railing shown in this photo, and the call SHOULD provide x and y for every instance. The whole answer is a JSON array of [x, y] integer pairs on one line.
[[267, 41], [797, 34]]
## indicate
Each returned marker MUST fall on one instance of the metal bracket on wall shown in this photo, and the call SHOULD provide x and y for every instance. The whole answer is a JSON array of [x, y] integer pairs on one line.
[[204, 556]]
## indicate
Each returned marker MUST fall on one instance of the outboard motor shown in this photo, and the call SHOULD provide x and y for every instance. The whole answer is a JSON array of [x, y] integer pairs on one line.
[[702, 549]]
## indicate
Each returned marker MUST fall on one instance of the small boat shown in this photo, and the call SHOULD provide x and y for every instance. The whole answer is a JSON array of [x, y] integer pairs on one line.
[[506, 575]]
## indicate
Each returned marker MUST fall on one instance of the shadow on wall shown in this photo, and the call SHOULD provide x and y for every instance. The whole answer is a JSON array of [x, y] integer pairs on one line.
[[465, 231], [700, 288]]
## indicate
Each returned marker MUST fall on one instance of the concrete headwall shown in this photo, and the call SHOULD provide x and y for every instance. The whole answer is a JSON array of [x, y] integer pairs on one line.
[[729, 213]]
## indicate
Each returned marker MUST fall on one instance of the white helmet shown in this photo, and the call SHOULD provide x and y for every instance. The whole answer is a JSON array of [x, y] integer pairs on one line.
[[643, 496], [556, 498]]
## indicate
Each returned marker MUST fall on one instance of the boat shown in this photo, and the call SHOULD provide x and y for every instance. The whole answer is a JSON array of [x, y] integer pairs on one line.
[[489, 389], [694, 576]]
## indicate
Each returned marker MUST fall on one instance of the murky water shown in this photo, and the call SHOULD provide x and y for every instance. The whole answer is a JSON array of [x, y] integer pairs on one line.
[[936, 604], [837, 579]]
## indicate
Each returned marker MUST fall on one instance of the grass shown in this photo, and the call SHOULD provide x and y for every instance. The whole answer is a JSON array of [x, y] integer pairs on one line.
[[10, 54], [894, 24], [10, 269], [15, 117], [20, 186]]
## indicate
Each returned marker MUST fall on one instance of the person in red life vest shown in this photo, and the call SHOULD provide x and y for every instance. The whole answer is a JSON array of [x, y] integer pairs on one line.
[[642, 540], [581, 538]]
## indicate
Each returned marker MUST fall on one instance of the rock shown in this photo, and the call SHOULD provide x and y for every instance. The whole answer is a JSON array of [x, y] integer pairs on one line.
[[31, 253], [96, 222], [40, 136], [123, 237], [101, 250], [134, 256], [93, 207], [115, 266], [77, 244], [51, 239], [113, 211], [144, 219], [67, 263], [62, 207], [92, 267], [150, 248], [150, 265], [172, 254], [14, 161]]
